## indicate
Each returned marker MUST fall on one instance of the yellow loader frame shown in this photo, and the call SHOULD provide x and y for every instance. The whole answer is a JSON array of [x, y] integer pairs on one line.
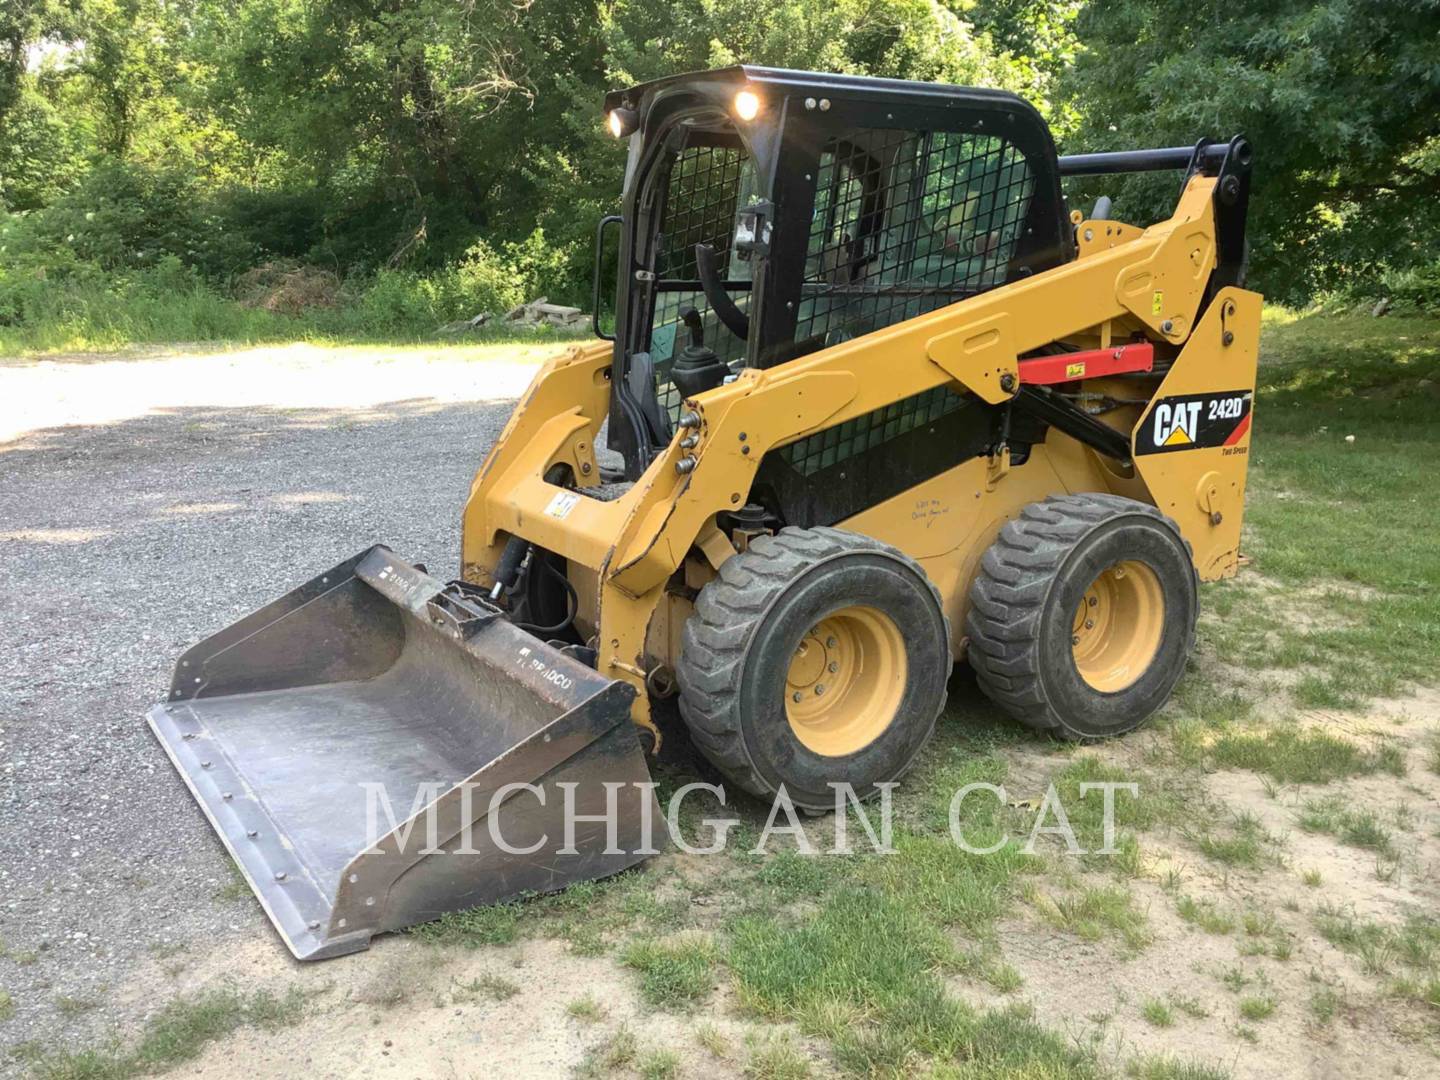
[[623, 553]]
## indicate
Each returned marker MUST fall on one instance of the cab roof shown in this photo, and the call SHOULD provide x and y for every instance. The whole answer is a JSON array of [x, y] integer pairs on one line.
[[784, 82]]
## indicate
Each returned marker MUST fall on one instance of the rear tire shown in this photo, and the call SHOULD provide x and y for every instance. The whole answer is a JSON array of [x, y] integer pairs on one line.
[[816, 656], [1082, 616]]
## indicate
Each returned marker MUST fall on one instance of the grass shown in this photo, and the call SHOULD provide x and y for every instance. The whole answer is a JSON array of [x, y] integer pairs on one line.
[[776, 1059], [7, 1006], [1371, 624], [616, 1052], [713, 1040], [677, 974], [1407, 954], [1157, 1013], [1294, 756], [658, 1065], [1243, 842], [586, 1009], [1256, 1008], [489, 987], [1205, 915], [175, 1035], [1167, 1067], [864, 971], [1094, 913], [1324, 1004], [1357, 828]]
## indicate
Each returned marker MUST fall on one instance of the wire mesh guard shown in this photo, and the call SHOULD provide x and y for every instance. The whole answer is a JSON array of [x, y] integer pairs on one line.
[[702, 195], [906, 222], [836, 444]]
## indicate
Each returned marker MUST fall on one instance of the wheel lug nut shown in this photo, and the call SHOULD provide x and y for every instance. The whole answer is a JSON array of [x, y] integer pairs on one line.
[[1075, 640], [819, 689], [834, 667], [1093, 601], [830, 642], [1089, 624], [796, 696]]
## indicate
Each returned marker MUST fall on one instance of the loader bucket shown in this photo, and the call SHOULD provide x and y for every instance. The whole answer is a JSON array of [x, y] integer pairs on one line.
[[363, 745]]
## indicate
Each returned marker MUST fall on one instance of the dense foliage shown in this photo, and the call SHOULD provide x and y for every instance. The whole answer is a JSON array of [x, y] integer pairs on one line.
[[438, 157]]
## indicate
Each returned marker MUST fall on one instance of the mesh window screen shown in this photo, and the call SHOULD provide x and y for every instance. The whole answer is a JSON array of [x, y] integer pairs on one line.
[[833, 445], [702, 192], [906, 222]]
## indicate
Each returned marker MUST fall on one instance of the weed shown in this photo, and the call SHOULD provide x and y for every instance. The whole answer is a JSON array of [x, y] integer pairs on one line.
[[493, 987], [1257, 1007], [586, 1009], [1205, 915], [1235, 979], [1157, 1013], [776, 1059], [1165, 1067], [1358, 828], [1094, 912], [1325, 1003], [1312, 878], [713, 1040], [677, 974], [1432, 752], [473, 928], [659, 1065], [1294, 756], [7, 1005], [1190, 1006], [616, 1052], [178, 1033]]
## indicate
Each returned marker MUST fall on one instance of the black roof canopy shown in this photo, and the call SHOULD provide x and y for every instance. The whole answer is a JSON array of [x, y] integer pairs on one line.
[[722, 81]]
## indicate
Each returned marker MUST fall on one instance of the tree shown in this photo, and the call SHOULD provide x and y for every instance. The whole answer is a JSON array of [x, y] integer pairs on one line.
[[1341, 99]]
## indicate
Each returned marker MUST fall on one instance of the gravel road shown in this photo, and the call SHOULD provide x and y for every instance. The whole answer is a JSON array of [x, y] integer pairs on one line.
[[146, 501]]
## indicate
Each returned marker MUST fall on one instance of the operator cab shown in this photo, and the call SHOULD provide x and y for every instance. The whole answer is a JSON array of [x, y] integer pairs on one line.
[[769, 214]]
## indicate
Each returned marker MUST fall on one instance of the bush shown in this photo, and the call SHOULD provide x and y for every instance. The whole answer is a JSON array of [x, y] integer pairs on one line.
[[1415, 289]]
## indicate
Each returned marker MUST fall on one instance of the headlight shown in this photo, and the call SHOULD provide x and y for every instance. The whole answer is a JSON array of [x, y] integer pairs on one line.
[[622, 121], [747, 105]]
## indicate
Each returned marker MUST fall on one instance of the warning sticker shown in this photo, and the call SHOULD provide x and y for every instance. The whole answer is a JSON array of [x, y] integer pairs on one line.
[[1074, 371], [1157, 302], [561, 505], [1191, 421]]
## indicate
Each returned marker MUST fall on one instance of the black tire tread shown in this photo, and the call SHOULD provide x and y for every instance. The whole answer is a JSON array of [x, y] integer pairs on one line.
[[728, 610], [1008, 596]]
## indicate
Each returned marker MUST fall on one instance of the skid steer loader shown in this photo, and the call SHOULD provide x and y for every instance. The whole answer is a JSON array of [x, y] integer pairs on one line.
[[877, 401]]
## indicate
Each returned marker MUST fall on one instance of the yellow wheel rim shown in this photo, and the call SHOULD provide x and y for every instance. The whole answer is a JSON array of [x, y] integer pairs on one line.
[[845, 681], [1118, 626]]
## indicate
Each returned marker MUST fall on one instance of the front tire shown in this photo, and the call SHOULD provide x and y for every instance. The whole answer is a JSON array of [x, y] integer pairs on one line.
[[816, 656], [1082, 616]]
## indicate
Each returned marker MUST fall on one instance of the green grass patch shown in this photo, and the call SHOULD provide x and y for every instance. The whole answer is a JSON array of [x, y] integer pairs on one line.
[[1357, 828], [1406, 954], [586, 1009], [1157, 1013], [177, 1034], [1095, 913], [1167, 1067], [1372, 609], [864, 972], [1205, 915], [1294, 756], [1257, 1007], [676, 974]]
